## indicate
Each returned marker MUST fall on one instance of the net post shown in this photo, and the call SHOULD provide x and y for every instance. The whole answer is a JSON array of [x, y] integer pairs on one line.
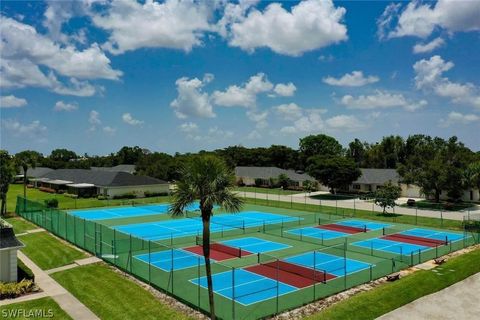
[[345, 264], [149, 262], [130, 251], [198, 280], [383, 231], [171, 270], [314, 274], [233, 293], [243, 222]]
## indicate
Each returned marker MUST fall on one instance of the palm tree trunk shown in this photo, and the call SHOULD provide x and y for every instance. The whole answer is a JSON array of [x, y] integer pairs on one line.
[[206, 254], [25, 188]]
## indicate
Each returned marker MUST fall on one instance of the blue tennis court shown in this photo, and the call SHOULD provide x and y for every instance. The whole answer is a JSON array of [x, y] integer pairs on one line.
[[248, 287], [368, 225], [328, 263], [255, 245], [190, 227], [390, 246], [175, 259], [433, 234], [322, 234], [126, 212]]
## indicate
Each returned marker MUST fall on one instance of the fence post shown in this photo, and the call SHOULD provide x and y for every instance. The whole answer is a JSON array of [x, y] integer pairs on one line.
[[233, 293], [114, 247], [149, 262], [198, 279]]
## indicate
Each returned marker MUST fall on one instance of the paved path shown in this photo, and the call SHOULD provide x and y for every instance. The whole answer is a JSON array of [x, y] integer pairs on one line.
[[459, 301], [357, 204], [51, 288]]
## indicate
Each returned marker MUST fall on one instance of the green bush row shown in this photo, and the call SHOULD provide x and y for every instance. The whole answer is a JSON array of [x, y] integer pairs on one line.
[[12, 290]]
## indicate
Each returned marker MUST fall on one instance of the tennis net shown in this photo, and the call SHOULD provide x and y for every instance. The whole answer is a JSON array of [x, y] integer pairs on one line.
[[233, 251]]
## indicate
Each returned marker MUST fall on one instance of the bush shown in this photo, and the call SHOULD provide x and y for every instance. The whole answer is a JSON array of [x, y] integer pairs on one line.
[[125, 196], [24, 272], [102, 197], [149, 194], [45, 189], [61, 191], [51, 203], [71, 195], [240, 183], [448, 206], [15, 289], [258, 182]]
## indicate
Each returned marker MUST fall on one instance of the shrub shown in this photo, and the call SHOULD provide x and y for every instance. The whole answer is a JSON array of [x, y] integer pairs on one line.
[[258, 182], [448, 206], [61, 191], [24, 272], [240, 183], [15, 289], [125, 196], [149, 194], [51, 203], [71, 195], [102, 197]]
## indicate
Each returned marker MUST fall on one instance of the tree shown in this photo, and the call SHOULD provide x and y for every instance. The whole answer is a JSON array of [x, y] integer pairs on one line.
[[7, 173], [386, 195], [472, 175], [283, 181], [335, 172], [320, 145], [309, 185], [356, 151], [207, 179], [26, 159], [62, 155]]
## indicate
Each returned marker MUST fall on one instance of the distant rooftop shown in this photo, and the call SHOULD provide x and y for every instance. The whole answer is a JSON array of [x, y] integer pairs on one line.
[[130, 168], [35, 172], [377, 176], [270, 172]]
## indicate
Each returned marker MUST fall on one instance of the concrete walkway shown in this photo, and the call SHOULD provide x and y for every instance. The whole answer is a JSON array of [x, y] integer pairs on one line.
[[51, 288], [459, 301], [357, 204]]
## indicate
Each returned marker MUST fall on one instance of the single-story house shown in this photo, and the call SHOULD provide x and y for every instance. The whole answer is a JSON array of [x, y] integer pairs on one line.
[[9, 245], [36, 172], [371, 179], [248, 175], [84, 182]]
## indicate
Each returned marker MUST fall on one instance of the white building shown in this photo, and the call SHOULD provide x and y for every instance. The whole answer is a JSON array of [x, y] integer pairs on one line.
[[9, 245]]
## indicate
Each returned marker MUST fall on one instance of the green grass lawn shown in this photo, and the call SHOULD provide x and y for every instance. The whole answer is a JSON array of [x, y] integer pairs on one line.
[[47, 307], [111, 296], [390, 296], [424, 204], [20, 225], [48, 252], [346, 212], [65, 202], [267, 190]]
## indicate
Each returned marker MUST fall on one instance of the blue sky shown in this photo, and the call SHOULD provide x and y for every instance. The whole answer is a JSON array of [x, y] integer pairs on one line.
[[183, 76]]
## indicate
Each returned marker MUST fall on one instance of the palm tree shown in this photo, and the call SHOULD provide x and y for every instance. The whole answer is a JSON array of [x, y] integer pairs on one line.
[[26, 159], [207, 179]]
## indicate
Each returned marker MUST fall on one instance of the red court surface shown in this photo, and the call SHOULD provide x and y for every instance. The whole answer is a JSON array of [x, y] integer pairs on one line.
[[340, 228], [414, 240], [219, 255], [289, 273]]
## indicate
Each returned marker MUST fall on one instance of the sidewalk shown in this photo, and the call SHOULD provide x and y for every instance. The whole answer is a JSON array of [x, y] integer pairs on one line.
[[459, 301], [356, 204], [51, 288]]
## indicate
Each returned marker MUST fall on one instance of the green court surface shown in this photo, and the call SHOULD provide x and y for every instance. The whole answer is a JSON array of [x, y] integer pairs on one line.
[[324, 256]]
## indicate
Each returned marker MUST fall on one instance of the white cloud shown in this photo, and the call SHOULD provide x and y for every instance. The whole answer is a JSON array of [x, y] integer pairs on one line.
[[421, 20], [345, 123], [429, 77], [386, 19], [34, 130], [458, 118], [188, 127], [254, 135], [290, 111], [94, 120], [177, 24], [260, 118], [11, 101], [21, 41], [354, 79], [309, 25], [285, 90], [244, 95], [379, 100], [191, 100], [213, 134], [109, 130], [129, 119], [428, 47], [64, 106]]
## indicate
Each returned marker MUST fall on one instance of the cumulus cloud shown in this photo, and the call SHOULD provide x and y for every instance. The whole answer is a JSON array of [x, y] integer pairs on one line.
[[191, 101], [345, 122], [290, 111], [176, 24], [421, 20], [307, 26], [64, 106], [429, 77], [259, 118], [454, 118], [129, 119], [11, 101], [380, 100], [109, 130], [244, 95], [285, 90], [214, 134], [429, 46], [354, 79], [188, 127], [94, 120], [34, 130]]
